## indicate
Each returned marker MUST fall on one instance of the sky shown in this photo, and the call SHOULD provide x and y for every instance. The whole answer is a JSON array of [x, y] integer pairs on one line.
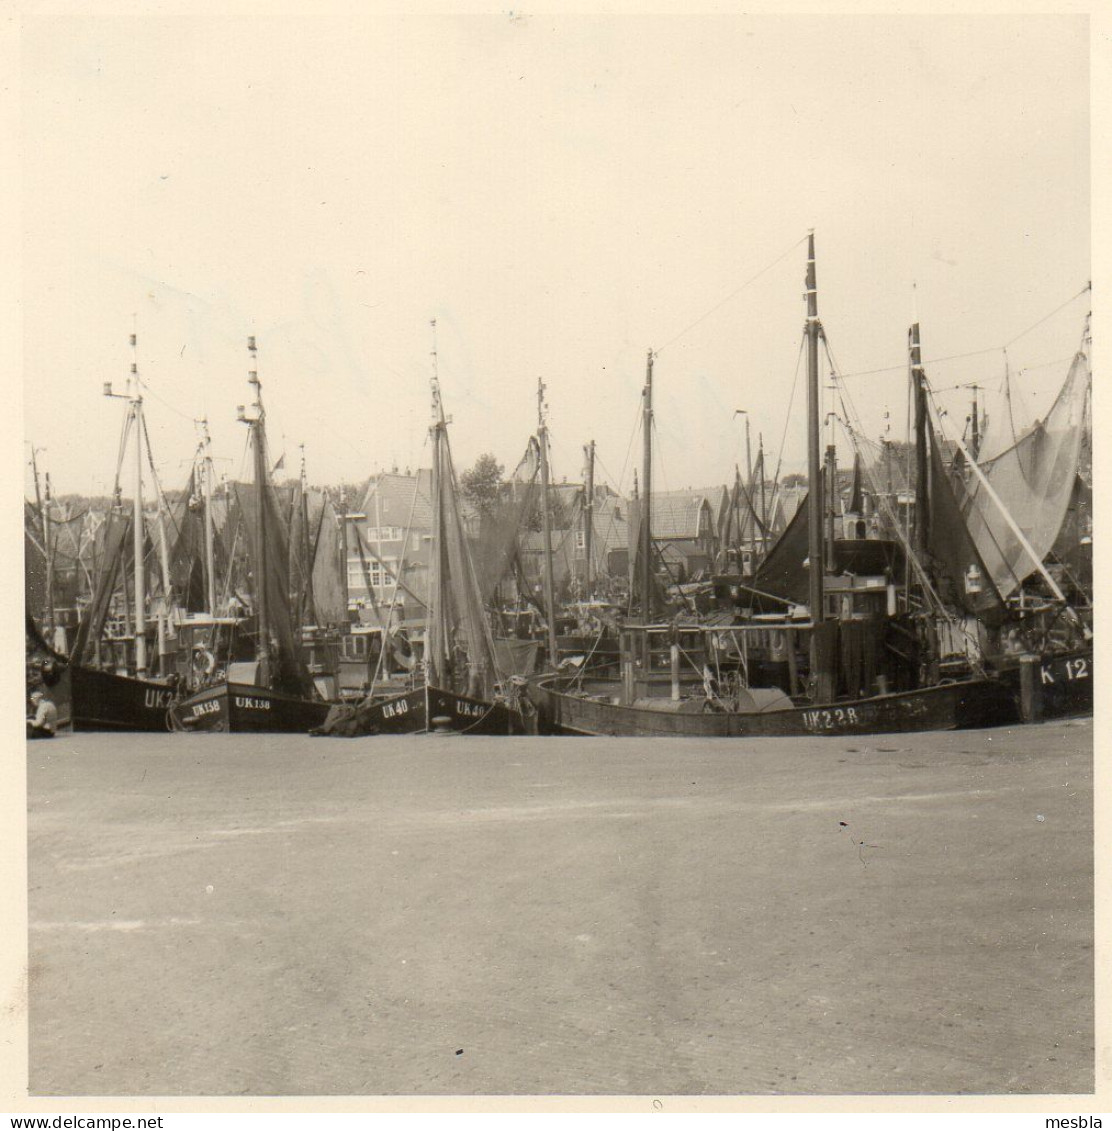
[[561, 194]]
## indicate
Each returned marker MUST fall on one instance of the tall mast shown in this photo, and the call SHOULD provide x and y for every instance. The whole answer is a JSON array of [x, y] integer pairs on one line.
[[589, 517], [814, 469], [546, 526], [344, 550], [975, 424], [306, 597], [764, 503], [44, 520], [137, 523], [922, 455], [48, 538], [748, 461], [256, 423], [831, 492], [436, 634], [206, 488], [647, 495]]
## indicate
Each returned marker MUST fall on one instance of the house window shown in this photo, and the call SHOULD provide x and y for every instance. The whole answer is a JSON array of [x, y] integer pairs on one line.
[[383, 533], [380, 576]]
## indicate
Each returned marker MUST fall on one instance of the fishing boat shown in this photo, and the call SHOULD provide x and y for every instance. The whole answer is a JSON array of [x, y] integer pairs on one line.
[[463, 689], [859, 657], [273, 692], [1021, 508], [108, 682]]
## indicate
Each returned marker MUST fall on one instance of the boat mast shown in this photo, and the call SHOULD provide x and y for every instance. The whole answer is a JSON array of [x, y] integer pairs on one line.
[[206, 488], [589, 517], [47, 535], [647, 495], [975, 424], [831, 484], [764, 503], [256, 423], [922, 455], [135, 397], [546, 526], [306, 599], [436, 634], [814, 467]]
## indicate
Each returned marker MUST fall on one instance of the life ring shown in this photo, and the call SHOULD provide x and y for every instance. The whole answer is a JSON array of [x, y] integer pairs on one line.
[[204, 663]]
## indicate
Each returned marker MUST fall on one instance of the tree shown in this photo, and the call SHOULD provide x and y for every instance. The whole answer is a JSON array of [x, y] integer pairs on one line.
[[482, 484]]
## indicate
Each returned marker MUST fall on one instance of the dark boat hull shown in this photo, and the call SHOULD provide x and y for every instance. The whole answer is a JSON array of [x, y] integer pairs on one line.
[[1065, 683], [463, 715], [953, 706], [399, 714], [100, 701], [245, 709], [426, 709]]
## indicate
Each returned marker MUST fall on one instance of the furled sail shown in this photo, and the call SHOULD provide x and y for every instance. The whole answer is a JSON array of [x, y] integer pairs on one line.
[[460, 650], [329, 566], [1035, 480], [111, 539], [783, 573], [501, 526], [271, 568], [187, 550], [956, 568]]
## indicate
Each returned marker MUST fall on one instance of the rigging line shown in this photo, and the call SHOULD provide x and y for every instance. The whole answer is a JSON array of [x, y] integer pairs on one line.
[[977, 353], [910, 557], [607, 472], [1008, 396], [468, 562], [1087, 287], [788, 416], [122, 454], [1018, 372], [731, 295], [629, 446], [164, 401], [161, 495], [930, 361], [1045, 364], [941, 417]]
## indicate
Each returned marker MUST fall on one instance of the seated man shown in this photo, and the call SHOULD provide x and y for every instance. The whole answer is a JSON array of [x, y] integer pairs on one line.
[[45, 718]]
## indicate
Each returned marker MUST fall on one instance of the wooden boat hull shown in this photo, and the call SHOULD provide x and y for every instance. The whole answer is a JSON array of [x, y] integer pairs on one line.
[[1065, 683], [953, 706], [245, 709], [100, 701], [426, 709], [463, 715], [398, 714]]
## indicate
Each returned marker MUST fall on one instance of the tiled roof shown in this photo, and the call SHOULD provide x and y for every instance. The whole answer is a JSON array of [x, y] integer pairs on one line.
[[676, 514], [394, 493]]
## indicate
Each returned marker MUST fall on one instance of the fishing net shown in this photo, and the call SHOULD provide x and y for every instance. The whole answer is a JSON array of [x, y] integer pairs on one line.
[[502, 526], [955, 566], [110, 539], [329, 566], [270, 559], [462, 646], [187, 549], [1034, 480]]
